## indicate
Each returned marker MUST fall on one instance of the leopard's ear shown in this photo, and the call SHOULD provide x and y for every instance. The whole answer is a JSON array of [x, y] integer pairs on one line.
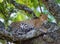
[[43, 17]]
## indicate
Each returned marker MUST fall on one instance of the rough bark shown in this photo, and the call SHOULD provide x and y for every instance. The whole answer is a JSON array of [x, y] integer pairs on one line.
[[38, 36], [53, 8]]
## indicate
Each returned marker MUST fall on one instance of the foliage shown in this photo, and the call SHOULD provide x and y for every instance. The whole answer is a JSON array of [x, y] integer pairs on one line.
[[6, 9]]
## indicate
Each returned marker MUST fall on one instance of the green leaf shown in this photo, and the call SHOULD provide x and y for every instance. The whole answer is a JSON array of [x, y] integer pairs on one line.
[[1, 1], [19, 17]]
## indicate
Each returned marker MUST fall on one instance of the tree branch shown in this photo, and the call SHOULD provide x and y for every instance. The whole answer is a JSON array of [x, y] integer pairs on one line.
[[13, 35], [23, 7]]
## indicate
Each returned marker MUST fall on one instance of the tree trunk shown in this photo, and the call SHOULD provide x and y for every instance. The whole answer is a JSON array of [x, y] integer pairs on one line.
[[53, 8]]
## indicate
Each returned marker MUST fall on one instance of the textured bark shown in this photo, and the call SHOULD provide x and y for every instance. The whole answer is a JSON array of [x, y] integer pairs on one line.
[[51, 38], [53, 8], [40, 36], [36, 38]]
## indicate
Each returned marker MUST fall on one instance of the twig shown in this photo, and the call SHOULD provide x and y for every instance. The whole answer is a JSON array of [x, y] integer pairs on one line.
[[40, 6]]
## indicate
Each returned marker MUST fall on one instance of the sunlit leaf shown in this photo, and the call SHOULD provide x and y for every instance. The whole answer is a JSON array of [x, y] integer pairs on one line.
[[1, 1]]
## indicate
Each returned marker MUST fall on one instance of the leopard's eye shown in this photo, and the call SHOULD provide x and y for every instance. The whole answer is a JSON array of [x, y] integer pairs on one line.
[[40, 15]]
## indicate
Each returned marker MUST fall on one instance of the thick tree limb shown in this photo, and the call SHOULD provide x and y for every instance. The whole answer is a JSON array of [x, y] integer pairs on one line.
[[11, 36], [4, 34], [46, 29], [53, 8]]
